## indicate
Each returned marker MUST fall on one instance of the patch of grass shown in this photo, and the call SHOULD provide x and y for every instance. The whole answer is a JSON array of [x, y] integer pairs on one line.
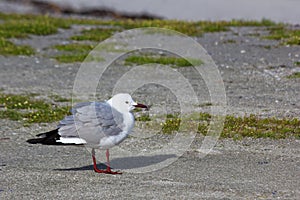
[[236, 127], [294, 75], [277, 33], [204, 117], [29, 110], [285, 35], [72, 52], [75, 47], [143, 118], [70, 58], [76, 53], [43, 25], [297, 63], [185, 27], [77, 57], [21, 102], [98, 34], [9, 48], [253, 126], [164, 60], [11, 114], [20, 25], [254, 23], [191, 28], [51, 114], [171, 124], [21, 28]]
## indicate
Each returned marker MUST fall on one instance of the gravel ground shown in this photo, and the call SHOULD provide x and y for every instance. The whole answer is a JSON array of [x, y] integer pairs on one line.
[[254, 73]]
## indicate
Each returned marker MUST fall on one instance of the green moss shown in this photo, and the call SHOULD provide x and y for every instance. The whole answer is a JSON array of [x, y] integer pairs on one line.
[[75, 47], [285, 35], [234, 127], [190, 28], [164, 60], [76, 53], [18, 25], [204, 117], [11, 114], [21, 28], [294, 39], [277, 33], [77, 57], [254, 23], [21, 102], [72, 52], [255, 127], [43, 24], [143, 118], [29, 110], [9, 48], [98, 34], [52, 114], [171, 124], [294, 75], [185, 27]]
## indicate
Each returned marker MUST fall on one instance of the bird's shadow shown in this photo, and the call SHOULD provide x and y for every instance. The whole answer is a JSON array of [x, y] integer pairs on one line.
[[126, 162]]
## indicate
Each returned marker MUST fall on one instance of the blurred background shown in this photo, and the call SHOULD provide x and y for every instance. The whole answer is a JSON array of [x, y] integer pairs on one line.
[[276, 10]]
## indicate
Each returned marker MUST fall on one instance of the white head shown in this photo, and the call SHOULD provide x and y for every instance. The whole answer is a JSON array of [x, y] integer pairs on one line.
[[123, 102]]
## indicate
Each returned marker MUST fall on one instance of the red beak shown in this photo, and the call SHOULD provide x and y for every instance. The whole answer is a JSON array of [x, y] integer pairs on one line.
[[139, 105]]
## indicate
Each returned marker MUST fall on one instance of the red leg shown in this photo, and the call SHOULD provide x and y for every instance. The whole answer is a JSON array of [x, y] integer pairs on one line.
[[107, 161], [108, 169]]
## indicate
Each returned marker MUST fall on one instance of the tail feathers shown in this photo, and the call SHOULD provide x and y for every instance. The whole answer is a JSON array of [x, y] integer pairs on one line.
[[53, 138], [48, 138]]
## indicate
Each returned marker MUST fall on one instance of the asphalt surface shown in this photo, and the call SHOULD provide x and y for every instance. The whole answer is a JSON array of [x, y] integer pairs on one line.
[[255, 82]]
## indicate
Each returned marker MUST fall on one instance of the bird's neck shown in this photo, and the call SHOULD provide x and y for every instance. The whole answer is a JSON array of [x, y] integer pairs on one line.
[[128, 121]]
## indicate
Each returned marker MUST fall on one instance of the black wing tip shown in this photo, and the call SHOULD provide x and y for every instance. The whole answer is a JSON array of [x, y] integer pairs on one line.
[[35, 140], [48, 138]]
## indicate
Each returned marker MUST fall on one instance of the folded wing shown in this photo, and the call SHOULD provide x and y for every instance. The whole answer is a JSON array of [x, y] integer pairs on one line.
[[91, 121]]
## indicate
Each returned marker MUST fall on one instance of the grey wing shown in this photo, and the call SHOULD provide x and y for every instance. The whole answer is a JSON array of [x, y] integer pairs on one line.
[[91, 121]]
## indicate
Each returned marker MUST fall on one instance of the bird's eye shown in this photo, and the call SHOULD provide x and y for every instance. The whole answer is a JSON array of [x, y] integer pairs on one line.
[[127, 102]]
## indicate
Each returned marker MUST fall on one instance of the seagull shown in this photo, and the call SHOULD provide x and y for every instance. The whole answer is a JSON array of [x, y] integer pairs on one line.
[[98, 125]]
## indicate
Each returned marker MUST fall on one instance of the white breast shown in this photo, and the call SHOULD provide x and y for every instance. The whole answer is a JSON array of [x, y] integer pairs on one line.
[[108, 142]]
